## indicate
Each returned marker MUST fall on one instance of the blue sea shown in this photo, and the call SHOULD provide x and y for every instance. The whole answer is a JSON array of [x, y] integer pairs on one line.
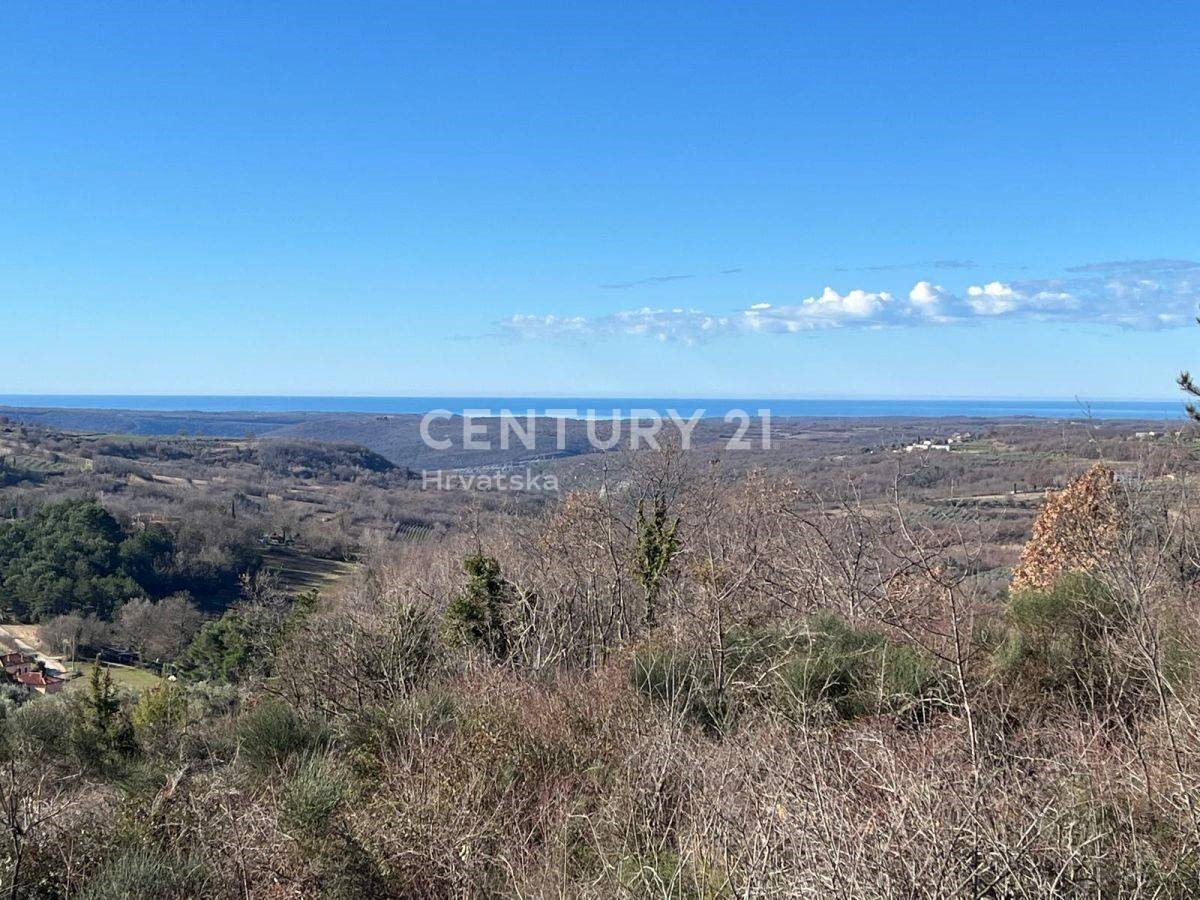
[[614, 407]]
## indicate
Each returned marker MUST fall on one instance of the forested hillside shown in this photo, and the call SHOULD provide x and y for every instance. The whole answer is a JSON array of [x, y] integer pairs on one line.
[[74, 557]]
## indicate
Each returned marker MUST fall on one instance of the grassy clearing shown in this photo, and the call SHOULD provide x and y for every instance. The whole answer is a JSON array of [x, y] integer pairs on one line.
[[299, 572], [138, 679]]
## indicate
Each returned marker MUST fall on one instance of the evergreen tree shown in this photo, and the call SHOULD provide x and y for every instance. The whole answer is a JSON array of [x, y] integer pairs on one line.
[[476, 617], [1192, 389], [220, 651], [102, 734], [102, 703]]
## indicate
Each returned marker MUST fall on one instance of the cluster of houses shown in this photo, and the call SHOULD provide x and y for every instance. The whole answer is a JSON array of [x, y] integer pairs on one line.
[[1155, 435], [947, 445], [30, 673]]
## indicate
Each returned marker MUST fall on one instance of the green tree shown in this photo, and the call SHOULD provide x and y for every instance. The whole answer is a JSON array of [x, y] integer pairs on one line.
[[220, 651], [1190, 388], [102, 702], [475, 618], [656, 546], [147, 557], [101, 732]]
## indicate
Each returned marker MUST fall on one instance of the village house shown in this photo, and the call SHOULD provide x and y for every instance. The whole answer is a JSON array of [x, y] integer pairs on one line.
[[25, 667], [39, 682], [17, 663]]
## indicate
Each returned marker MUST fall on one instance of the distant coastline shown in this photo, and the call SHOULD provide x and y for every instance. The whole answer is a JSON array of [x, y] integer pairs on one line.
[[604, 406]]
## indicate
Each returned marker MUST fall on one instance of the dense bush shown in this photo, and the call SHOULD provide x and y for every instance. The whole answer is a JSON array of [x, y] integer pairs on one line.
[[826, 667], [273, 736], [680, 680], [855, 672], [150, 873], [313, 795], [1076, 642], [159, 718]]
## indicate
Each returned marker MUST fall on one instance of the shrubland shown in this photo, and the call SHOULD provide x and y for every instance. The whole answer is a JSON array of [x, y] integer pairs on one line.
[[674, 684]]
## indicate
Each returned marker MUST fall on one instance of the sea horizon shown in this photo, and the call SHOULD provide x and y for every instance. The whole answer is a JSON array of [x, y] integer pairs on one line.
[[815, 407]]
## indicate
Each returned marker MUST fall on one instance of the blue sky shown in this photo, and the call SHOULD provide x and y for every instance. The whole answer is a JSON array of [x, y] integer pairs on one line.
[[698, 199]]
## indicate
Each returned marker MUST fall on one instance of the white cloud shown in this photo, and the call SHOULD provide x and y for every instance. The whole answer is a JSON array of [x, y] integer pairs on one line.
[[1127, 294], [993, 299], [925, 295], [678, 324], [547, 326], [830, 309], [934, 303]]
